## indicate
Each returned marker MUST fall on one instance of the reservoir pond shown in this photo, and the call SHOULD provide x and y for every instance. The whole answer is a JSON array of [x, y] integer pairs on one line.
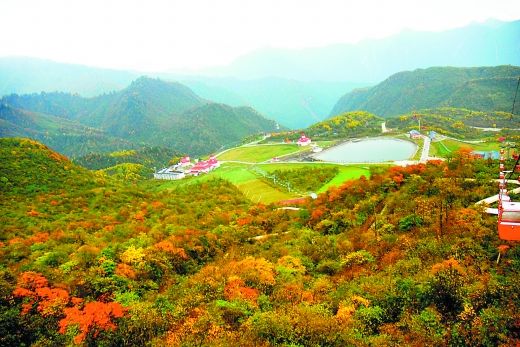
[[371, 150]]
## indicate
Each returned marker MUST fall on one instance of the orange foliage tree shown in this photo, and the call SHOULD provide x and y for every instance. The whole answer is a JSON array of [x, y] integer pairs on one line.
[[237, 289], [93, 317], [33, 288]]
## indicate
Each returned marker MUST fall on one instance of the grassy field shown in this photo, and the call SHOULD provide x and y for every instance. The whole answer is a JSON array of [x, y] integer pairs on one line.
[[260, 153], [259, 191], [345, 172], [447, 146]]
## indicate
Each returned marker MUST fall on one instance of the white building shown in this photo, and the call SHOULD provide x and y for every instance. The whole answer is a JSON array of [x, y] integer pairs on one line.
[[169, 173]]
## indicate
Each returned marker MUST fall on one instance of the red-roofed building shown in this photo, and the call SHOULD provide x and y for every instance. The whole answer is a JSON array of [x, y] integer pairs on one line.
[[200, 167], [185, 161], [213, 162], [304, 141]]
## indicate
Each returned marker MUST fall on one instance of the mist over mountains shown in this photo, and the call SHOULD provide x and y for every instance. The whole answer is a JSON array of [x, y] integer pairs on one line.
[[370, 61], [295, 87]]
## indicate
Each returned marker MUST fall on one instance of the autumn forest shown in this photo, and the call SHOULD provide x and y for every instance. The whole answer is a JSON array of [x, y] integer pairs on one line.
[[402, 257]]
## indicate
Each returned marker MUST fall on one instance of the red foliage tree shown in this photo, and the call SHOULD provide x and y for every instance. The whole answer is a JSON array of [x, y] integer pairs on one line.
[[237, 289], [92, 318], [33, 288]]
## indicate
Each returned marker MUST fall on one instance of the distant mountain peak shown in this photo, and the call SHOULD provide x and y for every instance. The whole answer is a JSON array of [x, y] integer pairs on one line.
[[145, 81], [149, 111]]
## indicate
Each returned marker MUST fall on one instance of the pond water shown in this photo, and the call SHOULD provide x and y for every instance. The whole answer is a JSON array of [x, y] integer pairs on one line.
[[371, 150]]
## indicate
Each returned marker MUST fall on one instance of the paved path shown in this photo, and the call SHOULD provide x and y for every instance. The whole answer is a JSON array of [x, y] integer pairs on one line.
[[425, 149]]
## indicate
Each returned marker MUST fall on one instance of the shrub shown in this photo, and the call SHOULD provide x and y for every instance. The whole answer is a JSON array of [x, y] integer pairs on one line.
[[409, 222]]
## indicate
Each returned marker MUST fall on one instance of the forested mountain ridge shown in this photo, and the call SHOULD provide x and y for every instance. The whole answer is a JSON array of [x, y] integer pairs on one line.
[[290, 102], [480, 89], [150, 112], [347, 125], [144, 100]]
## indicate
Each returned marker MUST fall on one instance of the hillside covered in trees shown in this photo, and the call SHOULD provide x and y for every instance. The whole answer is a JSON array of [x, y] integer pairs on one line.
[[347, 125], [458, 122], [478, 88], [149, 112], [403, 258], [149, 157]]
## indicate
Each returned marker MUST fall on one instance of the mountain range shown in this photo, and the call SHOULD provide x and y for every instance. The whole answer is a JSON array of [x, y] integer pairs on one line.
[[481, 89], [370, 61], [294, 87], [148, 112], [293, 103]]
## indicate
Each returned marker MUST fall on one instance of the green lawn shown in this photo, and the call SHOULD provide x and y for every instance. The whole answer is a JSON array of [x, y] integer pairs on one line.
[[447, 146], [345, 172], [250, 185], [259, 191], [260, 153]]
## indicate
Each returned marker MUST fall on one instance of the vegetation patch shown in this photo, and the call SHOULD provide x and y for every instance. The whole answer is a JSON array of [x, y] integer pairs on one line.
[[307, 179], [447, 147], [259, 153]]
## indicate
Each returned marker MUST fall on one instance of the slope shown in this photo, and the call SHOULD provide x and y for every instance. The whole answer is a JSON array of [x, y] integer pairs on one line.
[[458, 122], [482, 89], [402, 256], [216, 125], [64, 136], [347, 125], [29, 167], [148, 157]]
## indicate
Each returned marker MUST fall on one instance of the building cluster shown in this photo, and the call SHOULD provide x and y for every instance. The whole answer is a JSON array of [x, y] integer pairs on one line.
[[185, 167]]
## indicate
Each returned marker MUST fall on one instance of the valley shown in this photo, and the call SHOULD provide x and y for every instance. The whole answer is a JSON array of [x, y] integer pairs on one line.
[[288, 174]]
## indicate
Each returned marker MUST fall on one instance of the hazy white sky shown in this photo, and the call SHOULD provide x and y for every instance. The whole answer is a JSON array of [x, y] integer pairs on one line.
[[155, 35]]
